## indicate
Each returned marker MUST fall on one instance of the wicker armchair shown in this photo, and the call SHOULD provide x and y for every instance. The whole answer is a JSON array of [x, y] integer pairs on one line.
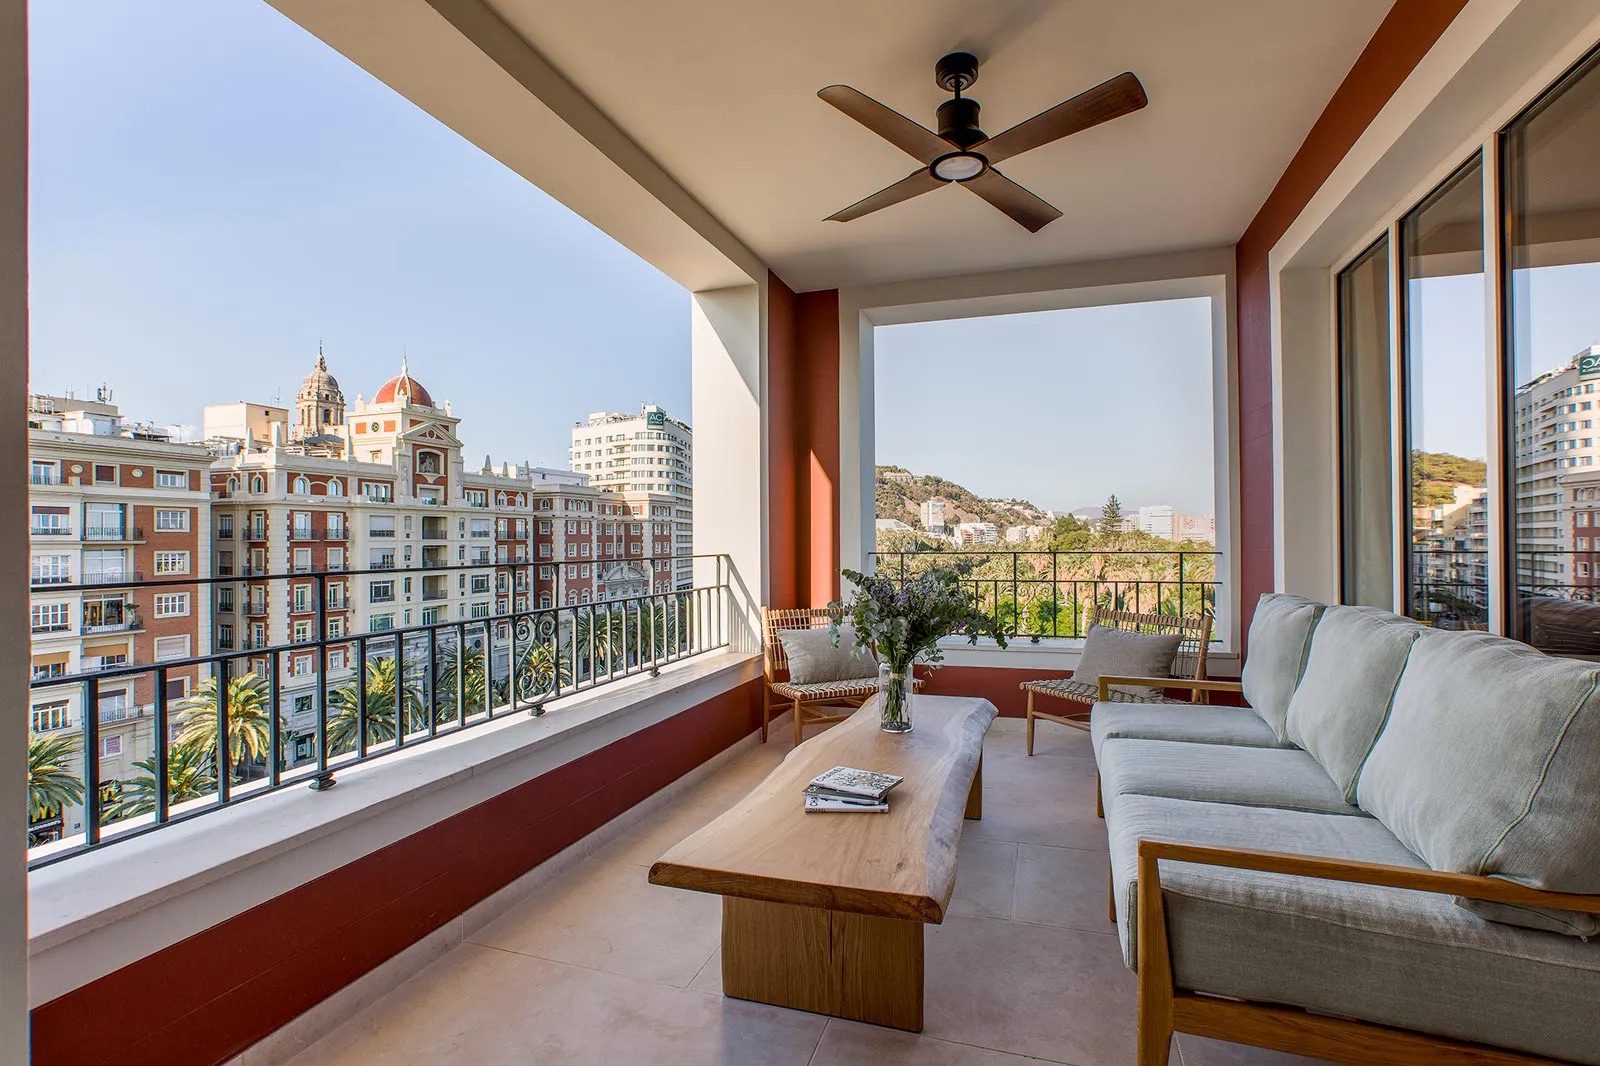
[[1189, 664], [821, 703]]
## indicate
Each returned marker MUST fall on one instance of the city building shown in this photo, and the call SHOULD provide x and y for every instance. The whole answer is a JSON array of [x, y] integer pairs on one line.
[[111, 503], [976, 534], [933, 515], [1023, 534], [1162, 520], [649, 452], [1554, 436]]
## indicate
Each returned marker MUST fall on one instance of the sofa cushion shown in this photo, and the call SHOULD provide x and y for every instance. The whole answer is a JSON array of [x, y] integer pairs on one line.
[[814, 657], [1219, 773], [1339, 707], [1129, 654], [1399, 958], [1280, 636], [1487, 765], [1201, 724]]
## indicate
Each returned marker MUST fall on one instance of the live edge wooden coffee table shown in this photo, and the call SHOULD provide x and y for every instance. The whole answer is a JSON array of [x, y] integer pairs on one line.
[[824, 912]]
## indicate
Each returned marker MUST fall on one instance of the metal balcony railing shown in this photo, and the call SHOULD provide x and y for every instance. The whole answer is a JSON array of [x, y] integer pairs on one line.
[[373, 693], [1050, 595]]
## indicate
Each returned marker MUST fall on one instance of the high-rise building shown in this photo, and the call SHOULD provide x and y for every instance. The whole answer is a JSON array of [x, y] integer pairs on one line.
[[1553, 426], [649, 452], [934, 515], [111, 503]]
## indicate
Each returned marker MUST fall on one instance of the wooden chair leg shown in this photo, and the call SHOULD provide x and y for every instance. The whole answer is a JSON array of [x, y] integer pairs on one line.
[[1099, 801], [766, 711], [1111, 893], [797, 726], [1030, 723]]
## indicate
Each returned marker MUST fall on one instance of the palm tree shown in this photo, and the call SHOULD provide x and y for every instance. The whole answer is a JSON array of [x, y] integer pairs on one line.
[[541, 668], [474, 673], [600, 630], [249, 721], [51, 783], [382, 684], [188, 777]]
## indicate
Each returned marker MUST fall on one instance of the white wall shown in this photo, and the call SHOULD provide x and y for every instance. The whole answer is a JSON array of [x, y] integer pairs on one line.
[[13, 548]]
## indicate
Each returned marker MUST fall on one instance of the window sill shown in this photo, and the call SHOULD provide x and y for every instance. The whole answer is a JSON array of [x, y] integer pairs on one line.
[[98, 912], [1051, 653]]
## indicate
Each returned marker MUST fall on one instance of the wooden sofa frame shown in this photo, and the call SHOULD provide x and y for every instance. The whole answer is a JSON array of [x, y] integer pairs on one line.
[[1165, 1009]]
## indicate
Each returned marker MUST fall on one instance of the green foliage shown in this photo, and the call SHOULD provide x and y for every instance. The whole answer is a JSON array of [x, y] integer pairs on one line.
[[1111, 517], [902, 497], [53, 783], [249, 721], [1434, 476], [383, 685], [188, 777]]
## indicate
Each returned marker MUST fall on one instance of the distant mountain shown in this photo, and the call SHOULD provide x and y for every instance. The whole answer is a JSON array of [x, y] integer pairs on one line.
[[900, 495]]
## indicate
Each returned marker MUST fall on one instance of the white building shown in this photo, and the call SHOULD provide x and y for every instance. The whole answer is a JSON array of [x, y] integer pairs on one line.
[[933, 514], [977, 534], [648, 452], [1161, 520], [1554, 439], [1023, 534]]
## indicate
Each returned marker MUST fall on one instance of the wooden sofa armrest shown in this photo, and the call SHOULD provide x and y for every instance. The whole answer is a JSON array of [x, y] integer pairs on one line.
[[1167, 682], [1472, 886]]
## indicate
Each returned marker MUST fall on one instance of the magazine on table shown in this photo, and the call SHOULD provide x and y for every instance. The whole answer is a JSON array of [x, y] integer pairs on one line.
[[816, 804], [849, 781]]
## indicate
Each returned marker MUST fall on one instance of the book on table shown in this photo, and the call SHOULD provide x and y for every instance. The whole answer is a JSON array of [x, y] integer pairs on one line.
[[849, 781], [817, 804]]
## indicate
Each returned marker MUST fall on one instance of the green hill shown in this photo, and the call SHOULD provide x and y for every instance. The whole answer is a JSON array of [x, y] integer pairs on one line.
[[900, 494], [1434, 476]]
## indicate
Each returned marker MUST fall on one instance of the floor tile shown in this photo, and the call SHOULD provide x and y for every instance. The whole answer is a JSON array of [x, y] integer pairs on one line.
[[1026, 816], [607, 916], [1198, 1051], [852, 1044], [657, 831], [1060, 994], [985, 876], [1062, 886], [493, 1008]]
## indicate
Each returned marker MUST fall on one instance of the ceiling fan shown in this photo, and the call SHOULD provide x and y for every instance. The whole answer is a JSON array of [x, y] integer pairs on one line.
[[962, 154]]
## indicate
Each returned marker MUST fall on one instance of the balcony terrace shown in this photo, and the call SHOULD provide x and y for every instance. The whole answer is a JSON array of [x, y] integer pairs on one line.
[[434, 840]]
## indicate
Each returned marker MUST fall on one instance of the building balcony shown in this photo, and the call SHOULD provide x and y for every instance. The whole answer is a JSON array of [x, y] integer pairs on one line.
[[114, 534]]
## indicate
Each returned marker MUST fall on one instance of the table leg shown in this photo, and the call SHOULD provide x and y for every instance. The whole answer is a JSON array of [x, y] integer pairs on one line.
[[854, 966], [975, 796]]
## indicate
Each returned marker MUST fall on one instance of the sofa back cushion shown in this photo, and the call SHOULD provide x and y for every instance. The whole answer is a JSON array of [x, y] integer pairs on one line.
[[1280, 635], [1339, 707], [1488, 766]]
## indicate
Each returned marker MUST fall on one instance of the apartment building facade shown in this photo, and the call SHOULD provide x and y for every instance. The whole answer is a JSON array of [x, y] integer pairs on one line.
[[645, 453], [111, 504], [1553, 423]]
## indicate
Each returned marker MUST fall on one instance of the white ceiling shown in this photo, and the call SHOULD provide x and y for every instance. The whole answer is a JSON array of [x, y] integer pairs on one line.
[[722, 94]]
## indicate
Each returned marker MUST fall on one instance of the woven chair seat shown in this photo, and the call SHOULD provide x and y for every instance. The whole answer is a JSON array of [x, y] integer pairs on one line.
[[824, 690], [1089, 692]]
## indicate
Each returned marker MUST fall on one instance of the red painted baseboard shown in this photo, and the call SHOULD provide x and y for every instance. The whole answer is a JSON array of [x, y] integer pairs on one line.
[[207, 998]]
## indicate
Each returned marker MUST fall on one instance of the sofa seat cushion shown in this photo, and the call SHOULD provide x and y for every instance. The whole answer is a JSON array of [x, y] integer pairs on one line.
[[1218, 773], [1280, 638], [1339, 708], [1195, 723], [1487, 766], [1407, 959]]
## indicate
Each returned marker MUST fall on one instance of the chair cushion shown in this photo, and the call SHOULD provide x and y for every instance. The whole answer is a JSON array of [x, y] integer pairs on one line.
[[1280, 637], [1345, 691], [1196, 724], [1088, 692], [1399, 958], [1488, 765], [813, 656], [860, 686], [1107, 650], [1219, 773]]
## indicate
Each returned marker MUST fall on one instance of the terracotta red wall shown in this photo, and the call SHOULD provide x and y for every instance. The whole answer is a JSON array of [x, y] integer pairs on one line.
[[803, 444], [1403, 38], [207, 998]]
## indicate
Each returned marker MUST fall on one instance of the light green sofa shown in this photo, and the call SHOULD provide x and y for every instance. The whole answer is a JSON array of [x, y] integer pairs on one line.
[[1392, 854]]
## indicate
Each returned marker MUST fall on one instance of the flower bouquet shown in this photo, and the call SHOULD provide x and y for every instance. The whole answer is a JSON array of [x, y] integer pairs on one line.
[[903, 622]]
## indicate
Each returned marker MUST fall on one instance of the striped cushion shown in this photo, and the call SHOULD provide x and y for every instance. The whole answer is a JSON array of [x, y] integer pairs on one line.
[[1089, 692], [862, 686]]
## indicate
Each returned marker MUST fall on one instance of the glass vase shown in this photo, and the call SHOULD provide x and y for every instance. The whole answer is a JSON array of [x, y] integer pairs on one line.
[[894, 698]]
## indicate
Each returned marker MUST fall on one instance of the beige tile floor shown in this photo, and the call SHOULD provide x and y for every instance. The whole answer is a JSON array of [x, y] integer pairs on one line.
[[602, 967]]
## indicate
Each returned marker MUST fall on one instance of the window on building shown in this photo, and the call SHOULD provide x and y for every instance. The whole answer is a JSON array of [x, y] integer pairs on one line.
[[301, 632], [49, 717], [172, 479], [50, 569], [171, 604], [172, 647], [172, 562], [172, 519], [51, 617]]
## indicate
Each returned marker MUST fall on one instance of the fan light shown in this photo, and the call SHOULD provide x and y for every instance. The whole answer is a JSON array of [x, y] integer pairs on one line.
[[959, 166]]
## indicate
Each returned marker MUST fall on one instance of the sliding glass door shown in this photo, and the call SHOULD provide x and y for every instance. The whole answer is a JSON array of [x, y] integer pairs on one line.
[[1551, 188], [1446, 447], [1366, 458]]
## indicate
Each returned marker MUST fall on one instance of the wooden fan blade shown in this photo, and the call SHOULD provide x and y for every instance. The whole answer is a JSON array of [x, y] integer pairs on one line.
[[1025, 209], [914, 184], [918, 142], [1108, 100]]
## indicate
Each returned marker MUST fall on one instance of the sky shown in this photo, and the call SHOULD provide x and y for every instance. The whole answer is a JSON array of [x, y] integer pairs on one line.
[[1061, 408], [215, 193]]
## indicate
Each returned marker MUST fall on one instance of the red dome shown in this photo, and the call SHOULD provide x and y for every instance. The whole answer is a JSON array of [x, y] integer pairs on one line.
[[403, 386]]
